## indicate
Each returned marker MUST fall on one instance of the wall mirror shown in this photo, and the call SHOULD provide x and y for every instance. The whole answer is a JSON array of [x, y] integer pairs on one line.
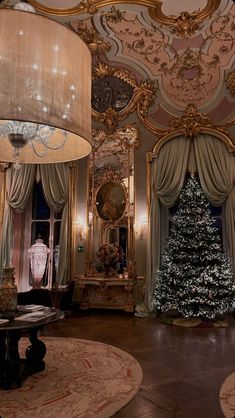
[[111, 203]]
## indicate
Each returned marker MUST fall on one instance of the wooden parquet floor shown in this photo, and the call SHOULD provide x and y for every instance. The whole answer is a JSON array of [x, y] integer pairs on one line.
[[183, 368]]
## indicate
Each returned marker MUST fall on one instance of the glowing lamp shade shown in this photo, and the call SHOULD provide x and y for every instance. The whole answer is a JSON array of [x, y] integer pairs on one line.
[[45, 90]]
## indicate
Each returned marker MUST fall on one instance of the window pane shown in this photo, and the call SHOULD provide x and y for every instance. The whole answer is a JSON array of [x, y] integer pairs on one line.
[[215, 210], [58, 215], [56, 251], [40, 229], [40, 209]]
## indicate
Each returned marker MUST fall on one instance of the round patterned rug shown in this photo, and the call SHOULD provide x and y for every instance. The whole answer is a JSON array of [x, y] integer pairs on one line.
[[82, 379], [227, 396], [196, 322]]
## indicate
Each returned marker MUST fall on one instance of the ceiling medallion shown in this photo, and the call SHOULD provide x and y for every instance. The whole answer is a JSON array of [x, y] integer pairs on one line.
[[186, 24], [230, 82], [190, 69], [116, 94]]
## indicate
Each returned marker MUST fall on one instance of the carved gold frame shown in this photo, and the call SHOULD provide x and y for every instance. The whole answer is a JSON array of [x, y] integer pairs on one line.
[[129, 138], [190, 124], [142, 98], [184, 25]]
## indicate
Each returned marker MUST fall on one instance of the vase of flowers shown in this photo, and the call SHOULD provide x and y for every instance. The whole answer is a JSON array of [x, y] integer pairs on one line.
[[109, 255]]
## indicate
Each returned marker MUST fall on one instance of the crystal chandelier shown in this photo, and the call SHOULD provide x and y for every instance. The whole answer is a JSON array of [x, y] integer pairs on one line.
[[45, 88]]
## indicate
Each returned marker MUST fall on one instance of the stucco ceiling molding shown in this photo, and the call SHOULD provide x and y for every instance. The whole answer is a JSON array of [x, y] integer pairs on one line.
[[186, 24], [88, 6], [84, 6], [230, 82], [190, 75], [142, 98], [95, 42]]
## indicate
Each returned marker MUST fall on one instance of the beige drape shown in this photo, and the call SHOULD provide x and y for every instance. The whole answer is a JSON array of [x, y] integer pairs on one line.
[[55, 183], [167, 177], [19, 185], [216, 172]]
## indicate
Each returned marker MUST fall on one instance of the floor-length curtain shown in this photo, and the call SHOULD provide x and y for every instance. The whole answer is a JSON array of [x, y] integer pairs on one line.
[[55, 183], [168, 171], [216, 172], [19, 185]]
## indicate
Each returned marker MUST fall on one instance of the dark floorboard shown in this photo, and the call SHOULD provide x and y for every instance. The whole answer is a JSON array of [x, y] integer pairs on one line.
[[183, 368]]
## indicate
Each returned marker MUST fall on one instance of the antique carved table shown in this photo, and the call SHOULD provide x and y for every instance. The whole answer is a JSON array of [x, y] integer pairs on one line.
[[13, 369], [110, 292]]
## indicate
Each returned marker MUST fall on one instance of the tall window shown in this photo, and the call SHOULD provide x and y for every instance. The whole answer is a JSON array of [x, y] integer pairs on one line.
[[45, 224]]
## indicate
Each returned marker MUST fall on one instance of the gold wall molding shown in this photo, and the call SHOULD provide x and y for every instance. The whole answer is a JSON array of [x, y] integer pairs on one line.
[[186, 24], [142, 98], [190, 124]]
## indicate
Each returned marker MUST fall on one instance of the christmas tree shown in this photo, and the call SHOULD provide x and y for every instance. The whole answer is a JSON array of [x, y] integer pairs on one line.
[[195, 277]]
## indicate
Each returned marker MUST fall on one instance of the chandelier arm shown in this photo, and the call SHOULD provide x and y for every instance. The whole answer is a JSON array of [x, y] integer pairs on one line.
[[57, 146], [35, 151]]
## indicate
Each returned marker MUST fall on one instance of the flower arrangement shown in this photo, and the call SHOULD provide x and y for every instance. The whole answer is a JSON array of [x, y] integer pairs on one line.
[[109, 255]]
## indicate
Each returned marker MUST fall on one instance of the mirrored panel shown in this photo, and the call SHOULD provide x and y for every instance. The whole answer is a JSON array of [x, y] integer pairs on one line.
[[111, 203]]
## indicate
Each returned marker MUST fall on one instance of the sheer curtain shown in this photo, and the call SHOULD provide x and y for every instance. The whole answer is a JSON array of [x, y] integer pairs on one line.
[[168, 171], [19, 185], [216, 172], [55, 183]]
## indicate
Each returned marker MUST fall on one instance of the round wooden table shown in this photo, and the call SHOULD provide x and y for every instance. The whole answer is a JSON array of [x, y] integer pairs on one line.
[[13, 369]]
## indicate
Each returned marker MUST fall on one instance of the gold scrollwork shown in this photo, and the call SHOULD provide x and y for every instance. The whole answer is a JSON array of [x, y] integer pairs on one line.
[[84, 6], [230, 82], [191, 123], [142, 97], [186, 24], [88, 6], [91, 37]]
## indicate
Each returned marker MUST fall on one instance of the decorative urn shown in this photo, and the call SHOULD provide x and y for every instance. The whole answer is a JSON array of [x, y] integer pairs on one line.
[[38, 254], [8, 290]]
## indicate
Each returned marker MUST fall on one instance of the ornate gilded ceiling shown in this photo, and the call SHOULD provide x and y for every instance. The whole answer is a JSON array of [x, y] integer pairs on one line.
[[184, 49]]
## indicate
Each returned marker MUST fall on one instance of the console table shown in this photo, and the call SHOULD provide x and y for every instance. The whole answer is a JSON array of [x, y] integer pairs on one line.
[[13, 369], [109, 292]]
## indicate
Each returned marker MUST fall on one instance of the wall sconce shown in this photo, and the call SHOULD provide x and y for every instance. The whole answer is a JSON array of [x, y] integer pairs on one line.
[[82, 230], [141, 228]]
